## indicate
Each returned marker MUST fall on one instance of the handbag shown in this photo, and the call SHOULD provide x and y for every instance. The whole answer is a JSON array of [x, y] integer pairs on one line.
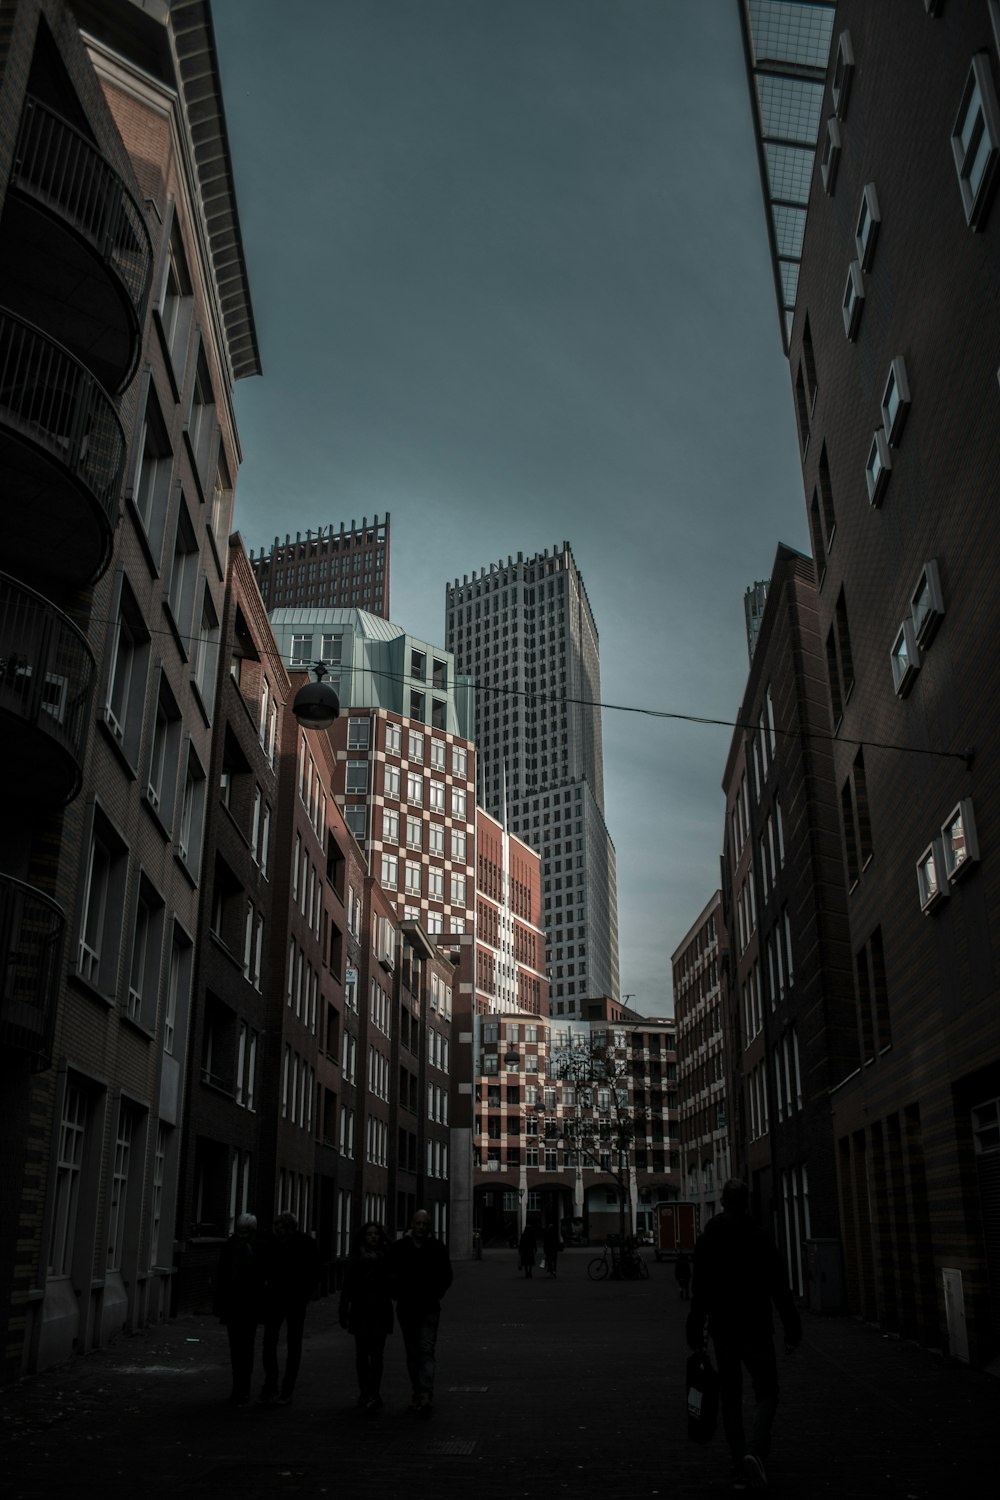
[[702, 1396]]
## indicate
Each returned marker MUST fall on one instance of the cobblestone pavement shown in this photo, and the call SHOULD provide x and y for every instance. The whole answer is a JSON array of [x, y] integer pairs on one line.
[[545, 1388]]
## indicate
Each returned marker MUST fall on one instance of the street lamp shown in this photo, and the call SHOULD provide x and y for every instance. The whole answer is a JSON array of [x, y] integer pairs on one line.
[[316, 705]]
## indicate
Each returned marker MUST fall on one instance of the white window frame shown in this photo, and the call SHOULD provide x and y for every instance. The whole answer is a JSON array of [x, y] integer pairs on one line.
[[975, 141], [933, 889], [868, 223], [878, 468], [895, 401], [955, 866], [843, 72], [905, 661], [831, 154], [853, 300], [926, 624]]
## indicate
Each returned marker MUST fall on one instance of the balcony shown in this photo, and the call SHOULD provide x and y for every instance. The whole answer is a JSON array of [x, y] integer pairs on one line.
[[75, 253], [62, 449], [46, 680], [31, 937]]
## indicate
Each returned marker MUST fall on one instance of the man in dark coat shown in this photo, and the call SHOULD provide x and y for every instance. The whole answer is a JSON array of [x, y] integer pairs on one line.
[[551, 1246], [419, 1274], [366, 1311], [738, 1277], [526, 1248], [238, 1289], [291, 1270]]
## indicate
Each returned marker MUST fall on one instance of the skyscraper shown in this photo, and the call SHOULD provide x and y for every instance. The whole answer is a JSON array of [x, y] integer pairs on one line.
[[328, 569], [525, 632]]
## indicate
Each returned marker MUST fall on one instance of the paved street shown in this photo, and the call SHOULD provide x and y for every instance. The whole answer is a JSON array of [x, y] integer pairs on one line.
[[545, 1388]]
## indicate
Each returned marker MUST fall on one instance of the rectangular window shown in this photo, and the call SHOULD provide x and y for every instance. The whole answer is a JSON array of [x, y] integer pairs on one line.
[[123, 709], [69, 1165], [205, 651], [869, 220], [151, 495], [459, 760], [390, 872], [357, 734], [357, 777], [301, 654], [437, 755], [102, 901], [878, 468], [458, 802], [415, 746], [390, 781], [414, 788], [414, 833], [144, 965], [853, 300], [393, 739], [437, 796], [895, 401], [390, 825], [975, 141], [435, 838]]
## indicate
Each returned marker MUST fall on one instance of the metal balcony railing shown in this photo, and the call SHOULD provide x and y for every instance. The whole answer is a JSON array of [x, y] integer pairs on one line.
[[64, 170], [31, 939], [53, 399], [46, 665]]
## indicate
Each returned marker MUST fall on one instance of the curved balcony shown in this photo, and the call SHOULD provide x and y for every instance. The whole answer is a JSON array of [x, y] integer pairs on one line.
[[31, 940], [62, 449], [75, 253], [47, 675]]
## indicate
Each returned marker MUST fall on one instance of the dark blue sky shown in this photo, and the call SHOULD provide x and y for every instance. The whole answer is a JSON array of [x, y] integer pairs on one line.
[[510, 274]]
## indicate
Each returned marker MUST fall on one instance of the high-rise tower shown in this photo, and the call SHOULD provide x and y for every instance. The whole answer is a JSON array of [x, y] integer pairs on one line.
[[525, 631]]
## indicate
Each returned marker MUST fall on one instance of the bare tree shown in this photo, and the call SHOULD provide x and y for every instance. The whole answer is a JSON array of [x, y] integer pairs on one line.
[[603, 1122]]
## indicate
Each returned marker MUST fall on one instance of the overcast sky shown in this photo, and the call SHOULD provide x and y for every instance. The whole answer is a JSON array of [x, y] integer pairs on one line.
[[510, 275]]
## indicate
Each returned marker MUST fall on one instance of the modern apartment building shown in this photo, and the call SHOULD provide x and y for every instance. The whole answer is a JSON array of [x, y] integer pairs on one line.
[[882, 123], [328, 569], [569, 1117], [126, 322], [525, 632], [700, 968]]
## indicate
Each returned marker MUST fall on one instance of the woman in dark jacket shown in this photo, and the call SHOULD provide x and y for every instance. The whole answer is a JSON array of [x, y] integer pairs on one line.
[[526, 1247], [366, 1310]]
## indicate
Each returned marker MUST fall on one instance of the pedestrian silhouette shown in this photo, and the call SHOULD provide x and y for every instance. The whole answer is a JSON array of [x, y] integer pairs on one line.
[[551, 1246], [738, 1277], [366, 1311], [291, 1268], [237, 1301], [682, 1272], [419, 1274], [527, 1245]]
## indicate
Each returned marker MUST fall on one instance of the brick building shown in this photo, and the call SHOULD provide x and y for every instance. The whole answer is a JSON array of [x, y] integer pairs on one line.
[[328, 569], [887, 269], [119, 453], [699, 965], [510, 942]]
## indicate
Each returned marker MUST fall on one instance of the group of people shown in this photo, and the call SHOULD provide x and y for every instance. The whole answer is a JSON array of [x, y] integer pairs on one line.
[[527, 1250], [270, 1282]]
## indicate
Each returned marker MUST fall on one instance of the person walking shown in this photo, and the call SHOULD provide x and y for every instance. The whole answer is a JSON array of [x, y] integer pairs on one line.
[[366, 1311], [551, 1246], [291, 1270], [738, 1278], [237, 1301], [682, 1273], [419, 1275], [527, 1246]]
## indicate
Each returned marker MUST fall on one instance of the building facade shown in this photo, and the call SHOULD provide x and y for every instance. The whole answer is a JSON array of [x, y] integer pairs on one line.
[[700, 967], [573, 1120], [328, 569], [510, 942], [889, 317], [525, 632], [119, 453]]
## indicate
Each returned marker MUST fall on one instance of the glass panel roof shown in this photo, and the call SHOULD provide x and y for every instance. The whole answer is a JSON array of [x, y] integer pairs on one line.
[[788, 46]]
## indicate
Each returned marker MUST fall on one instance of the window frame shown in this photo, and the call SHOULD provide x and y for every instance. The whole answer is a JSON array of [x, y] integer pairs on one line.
[[956, 869], [976, 200], [878, 468], [867, 226], [853, 301]]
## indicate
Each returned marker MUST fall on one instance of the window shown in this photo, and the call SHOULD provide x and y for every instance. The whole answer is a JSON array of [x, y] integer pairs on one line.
[[929, 883], [414, 833], [975, 141], [357, 777], [301, 654], [459, 760], [415, 746], [413, 883], [927, 604], [435, 838], [118, 1194], [866, 233], [435, 884], [854, 297], [905, 657], [878, 468], [393, 739], [151, 493], [418, 665], [390, 825], [123, 709], [176, 309], [830, 160], [458, 844], [390, 781], [437, 796], [69, 1166], [103, 899], [458, 890], [202, 428], [192, 821], [205, 653], [144, 964], [895, 401], [356, 818], [161, 787], [843, 72], [357, 734], [414, 788], [958, 837], [458, 802], [390, 872], [221, 500], [437, 755]]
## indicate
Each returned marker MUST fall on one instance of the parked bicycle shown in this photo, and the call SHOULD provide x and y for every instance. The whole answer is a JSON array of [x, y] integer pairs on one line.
[[618, 1262]]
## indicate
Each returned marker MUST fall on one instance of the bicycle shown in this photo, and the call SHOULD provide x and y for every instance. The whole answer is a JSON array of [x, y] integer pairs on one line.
[[623, 1264]]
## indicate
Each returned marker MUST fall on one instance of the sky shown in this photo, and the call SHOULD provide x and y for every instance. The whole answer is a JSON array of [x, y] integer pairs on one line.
[[509, 270]]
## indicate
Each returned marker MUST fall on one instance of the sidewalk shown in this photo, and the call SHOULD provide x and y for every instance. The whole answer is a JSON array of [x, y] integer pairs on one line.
[[544, 1388]]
